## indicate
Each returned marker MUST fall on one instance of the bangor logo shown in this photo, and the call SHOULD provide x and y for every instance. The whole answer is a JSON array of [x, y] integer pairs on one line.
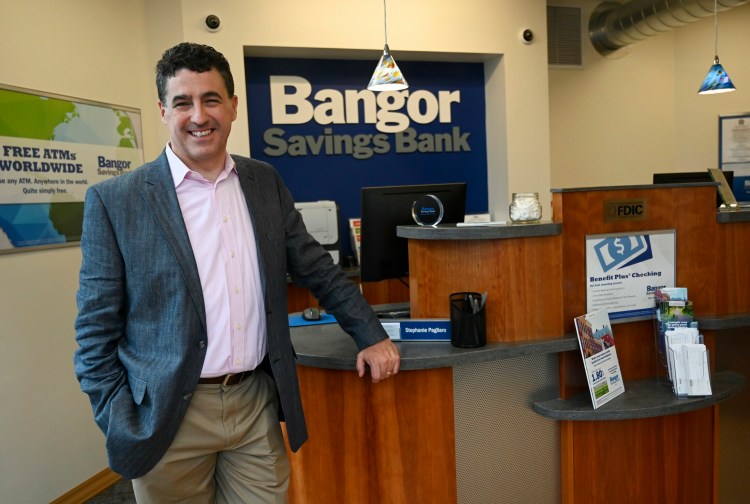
[[291, 104], [618, 252], [393, 113]]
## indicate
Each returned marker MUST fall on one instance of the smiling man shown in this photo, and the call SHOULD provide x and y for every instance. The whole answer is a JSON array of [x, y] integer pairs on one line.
[[184, 346]]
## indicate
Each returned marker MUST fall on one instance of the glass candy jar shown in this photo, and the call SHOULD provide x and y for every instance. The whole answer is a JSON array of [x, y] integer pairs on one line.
[[525, 208]]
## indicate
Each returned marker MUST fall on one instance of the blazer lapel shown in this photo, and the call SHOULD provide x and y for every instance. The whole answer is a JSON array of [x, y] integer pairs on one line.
[[252, 198], [161, 199]]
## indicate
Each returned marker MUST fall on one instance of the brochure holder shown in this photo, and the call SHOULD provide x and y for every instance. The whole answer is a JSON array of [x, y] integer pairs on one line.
[[682, 359], [690, 370]]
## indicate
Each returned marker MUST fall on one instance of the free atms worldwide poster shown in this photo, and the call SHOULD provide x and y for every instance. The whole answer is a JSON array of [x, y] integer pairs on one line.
[[52, 149]]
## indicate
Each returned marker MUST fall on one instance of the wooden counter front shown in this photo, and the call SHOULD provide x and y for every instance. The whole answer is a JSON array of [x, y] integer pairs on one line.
[[400, 441], [388, 442], [671, 458], [396, 441], [521, 274]]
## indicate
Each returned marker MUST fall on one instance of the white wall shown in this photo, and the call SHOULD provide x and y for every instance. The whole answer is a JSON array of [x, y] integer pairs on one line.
[[620, 119], [48, 440], [696, 117]]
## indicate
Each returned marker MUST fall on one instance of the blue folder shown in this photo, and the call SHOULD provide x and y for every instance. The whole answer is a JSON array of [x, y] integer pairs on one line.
[[297, 320]]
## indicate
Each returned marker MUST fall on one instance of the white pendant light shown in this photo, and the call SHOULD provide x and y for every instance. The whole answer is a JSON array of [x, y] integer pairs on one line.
[[387, 76], [717, 80]]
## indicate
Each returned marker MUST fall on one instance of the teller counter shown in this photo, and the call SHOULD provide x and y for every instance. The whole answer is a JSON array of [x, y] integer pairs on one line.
[[510, 422], [454, 425]]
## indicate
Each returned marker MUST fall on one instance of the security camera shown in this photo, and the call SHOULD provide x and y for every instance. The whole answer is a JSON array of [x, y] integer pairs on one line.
[[213, 23], [527, 36]]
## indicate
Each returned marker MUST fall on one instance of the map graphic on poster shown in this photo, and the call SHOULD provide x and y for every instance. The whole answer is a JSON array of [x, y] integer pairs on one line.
[[51, 150]]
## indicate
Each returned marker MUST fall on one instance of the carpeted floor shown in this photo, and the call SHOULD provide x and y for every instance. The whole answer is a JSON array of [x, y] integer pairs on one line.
[[119, 493]]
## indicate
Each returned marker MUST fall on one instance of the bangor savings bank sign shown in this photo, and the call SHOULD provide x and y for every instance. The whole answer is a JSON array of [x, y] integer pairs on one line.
[[293, 102], [328, 136]]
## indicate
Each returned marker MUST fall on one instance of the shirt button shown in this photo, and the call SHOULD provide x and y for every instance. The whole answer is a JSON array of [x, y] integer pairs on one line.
[[225, 219], [239, 327], [231, 254], [236, 290]]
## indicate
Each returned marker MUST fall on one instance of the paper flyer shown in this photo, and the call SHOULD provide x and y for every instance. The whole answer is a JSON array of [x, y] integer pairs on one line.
[[623, 271], [597, 344]]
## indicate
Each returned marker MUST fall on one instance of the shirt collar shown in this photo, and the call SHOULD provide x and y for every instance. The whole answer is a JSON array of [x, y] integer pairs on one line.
[[180, 171]]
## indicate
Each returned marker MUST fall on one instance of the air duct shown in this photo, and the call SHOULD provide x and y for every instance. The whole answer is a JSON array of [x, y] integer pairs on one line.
[[613, 25]]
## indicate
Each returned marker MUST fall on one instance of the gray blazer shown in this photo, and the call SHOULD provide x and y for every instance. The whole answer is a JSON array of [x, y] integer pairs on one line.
[[141, 325]]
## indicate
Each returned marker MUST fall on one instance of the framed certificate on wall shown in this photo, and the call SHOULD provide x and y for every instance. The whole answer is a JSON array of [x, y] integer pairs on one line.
[[734, 152]]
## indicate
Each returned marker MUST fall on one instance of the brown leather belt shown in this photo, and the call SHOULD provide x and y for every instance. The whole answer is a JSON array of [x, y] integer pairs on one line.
[[227, 379]]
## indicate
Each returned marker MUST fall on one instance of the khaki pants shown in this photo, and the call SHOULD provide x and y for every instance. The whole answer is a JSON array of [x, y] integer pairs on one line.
[[229, 449]]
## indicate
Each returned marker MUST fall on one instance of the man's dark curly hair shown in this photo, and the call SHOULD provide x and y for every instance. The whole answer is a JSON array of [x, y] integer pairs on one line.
[[194, 57]]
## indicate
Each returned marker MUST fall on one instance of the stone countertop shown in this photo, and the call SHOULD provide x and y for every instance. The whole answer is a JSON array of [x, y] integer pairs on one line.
[[723, 322], [730, 216], [498, 231], [487, 232], [642, 399], [328, 346]]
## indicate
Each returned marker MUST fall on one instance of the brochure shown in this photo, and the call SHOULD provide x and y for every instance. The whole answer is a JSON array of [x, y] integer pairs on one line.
[[680, 343], [673, 310], [597, 344], [688, 362]]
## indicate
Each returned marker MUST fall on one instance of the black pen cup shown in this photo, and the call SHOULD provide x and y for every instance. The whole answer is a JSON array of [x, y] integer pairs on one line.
[[468, 327]]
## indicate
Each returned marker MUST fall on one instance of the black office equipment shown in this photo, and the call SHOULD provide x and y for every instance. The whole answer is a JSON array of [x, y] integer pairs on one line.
[[383, 255]]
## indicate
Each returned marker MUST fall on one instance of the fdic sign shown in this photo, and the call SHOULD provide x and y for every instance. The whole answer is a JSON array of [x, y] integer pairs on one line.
[[625, 210]]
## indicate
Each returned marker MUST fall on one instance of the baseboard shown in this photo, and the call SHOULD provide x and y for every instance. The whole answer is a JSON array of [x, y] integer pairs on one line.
[[89, 488]]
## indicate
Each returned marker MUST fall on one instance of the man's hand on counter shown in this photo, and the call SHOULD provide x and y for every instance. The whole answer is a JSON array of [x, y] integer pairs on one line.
[[382, 358]]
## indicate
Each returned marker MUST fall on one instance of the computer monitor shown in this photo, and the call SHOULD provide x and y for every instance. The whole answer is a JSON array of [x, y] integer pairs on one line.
[[383, 255], [691, 177]]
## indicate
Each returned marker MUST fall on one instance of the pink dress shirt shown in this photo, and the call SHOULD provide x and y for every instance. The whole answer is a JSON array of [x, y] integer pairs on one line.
[[223, 241]]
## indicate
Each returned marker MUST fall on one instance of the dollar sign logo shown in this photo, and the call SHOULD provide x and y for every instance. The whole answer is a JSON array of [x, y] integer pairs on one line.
[[619, 246]]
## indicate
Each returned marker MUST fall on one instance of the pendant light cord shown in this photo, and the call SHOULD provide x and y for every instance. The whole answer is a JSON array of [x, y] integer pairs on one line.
[[716, 32], [385, 23]]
